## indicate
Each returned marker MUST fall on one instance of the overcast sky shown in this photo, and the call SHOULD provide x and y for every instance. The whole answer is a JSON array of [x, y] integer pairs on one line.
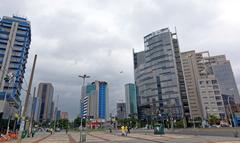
[[96, 37]]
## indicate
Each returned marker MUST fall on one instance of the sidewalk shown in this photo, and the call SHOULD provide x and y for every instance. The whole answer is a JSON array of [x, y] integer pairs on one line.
[[36, 138], [184, 138]]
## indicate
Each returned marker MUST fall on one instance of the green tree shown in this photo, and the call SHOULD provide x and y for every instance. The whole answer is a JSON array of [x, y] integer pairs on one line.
[[63, 123], [179, 124], [213, 120], [77, 122]]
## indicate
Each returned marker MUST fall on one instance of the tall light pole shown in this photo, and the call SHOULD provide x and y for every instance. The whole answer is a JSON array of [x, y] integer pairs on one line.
[[84, 77], [23, 116]]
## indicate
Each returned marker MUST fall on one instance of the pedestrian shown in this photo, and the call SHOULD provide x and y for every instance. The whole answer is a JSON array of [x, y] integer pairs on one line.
[[33, 132], [123, 131], [126, 130], [66, 130], [51, 130]]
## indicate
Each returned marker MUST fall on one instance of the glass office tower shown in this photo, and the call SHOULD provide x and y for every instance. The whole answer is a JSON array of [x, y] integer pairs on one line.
[[131, 99], [159, 77]]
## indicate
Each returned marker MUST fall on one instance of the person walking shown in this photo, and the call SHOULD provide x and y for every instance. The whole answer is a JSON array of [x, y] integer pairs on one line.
[[51, 130], [126, 130], [66, 130], [123, 131]]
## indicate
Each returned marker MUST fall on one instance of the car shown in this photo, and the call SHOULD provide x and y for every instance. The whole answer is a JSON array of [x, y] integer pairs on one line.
[[215, 126], [57, 129], [48, 130], [225, 125]]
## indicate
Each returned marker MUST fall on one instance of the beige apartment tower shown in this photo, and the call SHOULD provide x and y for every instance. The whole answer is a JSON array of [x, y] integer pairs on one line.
[[203, 90], [191, 73]]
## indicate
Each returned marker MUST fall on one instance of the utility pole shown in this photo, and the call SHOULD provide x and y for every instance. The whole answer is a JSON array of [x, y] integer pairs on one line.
[[81, 98], [29, 88], [26, 101]]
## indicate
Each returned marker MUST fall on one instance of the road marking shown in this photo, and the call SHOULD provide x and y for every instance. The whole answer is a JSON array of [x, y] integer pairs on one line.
[[71, 139], [144, 139], [41, 139], [99, 137]]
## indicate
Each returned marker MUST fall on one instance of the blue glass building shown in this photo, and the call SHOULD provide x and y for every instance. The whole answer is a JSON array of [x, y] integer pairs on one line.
[[102, 100], [15, 39], [95, 100], [131, 99]]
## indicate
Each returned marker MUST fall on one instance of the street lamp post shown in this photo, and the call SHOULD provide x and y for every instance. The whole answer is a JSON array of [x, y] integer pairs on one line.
[[84, 77]]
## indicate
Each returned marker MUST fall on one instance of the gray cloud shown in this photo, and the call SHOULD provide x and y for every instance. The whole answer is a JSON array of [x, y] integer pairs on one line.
[[97, 37]]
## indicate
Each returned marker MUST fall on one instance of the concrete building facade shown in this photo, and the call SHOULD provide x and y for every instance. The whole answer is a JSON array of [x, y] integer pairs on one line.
[[121, 110], [211, 99], [190, 62], [203, 88]]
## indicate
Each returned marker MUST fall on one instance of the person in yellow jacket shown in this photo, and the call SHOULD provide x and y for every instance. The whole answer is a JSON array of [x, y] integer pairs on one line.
[[123, 130]]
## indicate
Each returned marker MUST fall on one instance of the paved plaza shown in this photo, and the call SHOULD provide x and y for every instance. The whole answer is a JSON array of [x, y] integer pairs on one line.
[[102, 137]]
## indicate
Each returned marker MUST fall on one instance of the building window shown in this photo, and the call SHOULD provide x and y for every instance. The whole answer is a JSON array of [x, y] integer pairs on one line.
[[214, 81]]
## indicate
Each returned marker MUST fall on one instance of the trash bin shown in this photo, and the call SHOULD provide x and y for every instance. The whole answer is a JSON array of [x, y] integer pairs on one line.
[[24, 134], [159, 129]]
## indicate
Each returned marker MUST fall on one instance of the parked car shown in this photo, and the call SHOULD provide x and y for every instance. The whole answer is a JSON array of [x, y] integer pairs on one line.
[[48, 130], [215, 126], [57, 129], [225, 125]]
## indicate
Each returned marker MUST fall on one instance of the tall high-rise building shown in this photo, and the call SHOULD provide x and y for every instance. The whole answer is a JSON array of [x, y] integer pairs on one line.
[[121, 110], [190, 61], [64, 115], [29, 109], [222, 70], [52, 111], [131, 99], [159, 77], [36, 108], [15, 39], [203, 88], [58, 115], [45, 93], [95, 102]]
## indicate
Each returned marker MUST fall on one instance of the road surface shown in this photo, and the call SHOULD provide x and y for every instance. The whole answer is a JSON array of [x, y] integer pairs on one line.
[[103, 137]]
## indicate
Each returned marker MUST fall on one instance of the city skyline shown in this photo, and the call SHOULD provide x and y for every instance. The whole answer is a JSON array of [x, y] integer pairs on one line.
[[88, 37]]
